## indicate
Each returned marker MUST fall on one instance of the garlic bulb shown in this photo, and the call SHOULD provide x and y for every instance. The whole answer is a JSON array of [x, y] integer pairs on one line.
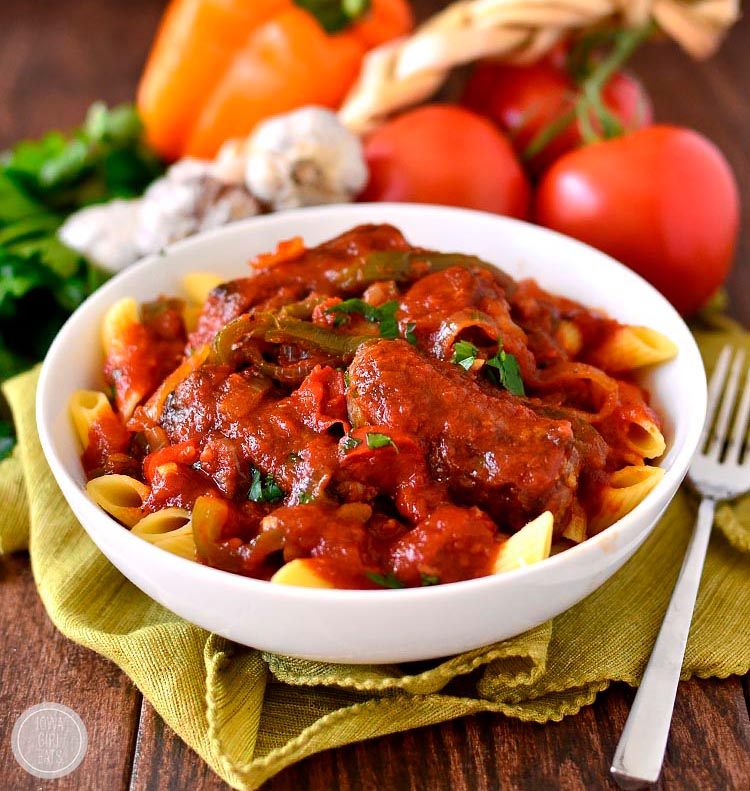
[[304, 158], [105, 233], [189, 198]]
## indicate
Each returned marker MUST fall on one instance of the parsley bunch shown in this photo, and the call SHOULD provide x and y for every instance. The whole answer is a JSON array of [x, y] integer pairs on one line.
[[41, 182]]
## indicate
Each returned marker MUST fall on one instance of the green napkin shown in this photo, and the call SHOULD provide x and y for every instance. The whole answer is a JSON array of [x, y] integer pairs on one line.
[[250, 714]]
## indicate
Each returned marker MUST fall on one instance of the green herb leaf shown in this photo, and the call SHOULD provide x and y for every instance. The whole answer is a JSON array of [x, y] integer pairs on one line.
[[264, 490], [305, 498], [385, 315], [409, 334], [387, 319], [7, 439], [464, 354], [389, 580], [508, 372], [428, 580], [41, 181], [375, 440], [344, 309], [350, 443]]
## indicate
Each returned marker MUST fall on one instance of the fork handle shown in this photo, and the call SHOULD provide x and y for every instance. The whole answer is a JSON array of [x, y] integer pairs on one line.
[[640, 751]]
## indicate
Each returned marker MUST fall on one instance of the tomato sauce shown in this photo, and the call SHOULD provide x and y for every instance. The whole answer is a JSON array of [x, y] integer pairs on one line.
[[391, 413]]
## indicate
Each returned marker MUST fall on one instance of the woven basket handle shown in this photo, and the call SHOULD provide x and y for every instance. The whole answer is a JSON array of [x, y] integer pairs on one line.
[[405, 72]]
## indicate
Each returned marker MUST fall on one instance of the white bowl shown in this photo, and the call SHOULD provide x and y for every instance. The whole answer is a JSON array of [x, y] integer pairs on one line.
[[387, 625]]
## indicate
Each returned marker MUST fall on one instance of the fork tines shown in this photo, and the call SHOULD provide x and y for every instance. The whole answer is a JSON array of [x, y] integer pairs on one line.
[[718, 442]]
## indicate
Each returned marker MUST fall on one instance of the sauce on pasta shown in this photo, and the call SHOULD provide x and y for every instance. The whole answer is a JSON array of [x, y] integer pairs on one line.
[[390, 414]]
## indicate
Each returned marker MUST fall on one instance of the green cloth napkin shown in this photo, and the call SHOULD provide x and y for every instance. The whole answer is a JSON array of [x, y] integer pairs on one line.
[[250, 714]]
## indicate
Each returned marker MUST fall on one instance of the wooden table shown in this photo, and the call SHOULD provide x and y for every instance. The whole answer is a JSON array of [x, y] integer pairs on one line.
[[55, 59]]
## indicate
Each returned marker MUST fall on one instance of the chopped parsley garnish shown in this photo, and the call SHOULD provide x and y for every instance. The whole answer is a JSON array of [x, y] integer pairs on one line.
[[388, 323], [389, 580], [305, 498], [375, 440], [428, 579], [347, 381], [264, 489], [409, 334], [508, 374], [502, 368], [349, 442], [385, 315], [464, 354]]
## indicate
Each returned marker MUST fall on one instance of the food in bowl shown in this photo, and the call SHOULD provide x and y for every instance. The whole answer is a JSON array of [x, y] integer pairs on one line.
[[368, 414]]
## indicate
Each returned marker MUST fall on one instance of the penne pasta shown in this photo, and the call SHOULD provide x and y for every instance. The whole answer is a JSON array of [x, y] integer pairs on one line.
[[632, 347], [86, 408], [160, 522], [301, 573], [633, 429], [529, 545], [178, 542], [569, 337], [575, 530], [120, 496], [627, 487], [117, 321], [645, 439], [198, 285], [169, 529]]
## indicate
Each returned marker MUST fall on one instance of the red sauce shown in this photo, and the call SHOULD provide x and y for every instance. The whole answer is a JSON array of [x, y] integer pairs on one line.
[[332, 422]]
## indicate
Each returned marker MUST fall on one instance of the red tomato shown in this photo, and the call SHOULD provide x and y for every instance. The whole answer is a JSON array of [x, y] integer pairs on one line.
[[662, 200], [524, 100], [445, 154]]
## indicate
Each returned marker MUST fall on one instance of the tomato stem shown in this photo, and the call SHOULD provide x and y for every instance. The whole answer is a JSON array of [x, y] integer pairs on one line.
[[547, 134], [590, 99], [626, 42]]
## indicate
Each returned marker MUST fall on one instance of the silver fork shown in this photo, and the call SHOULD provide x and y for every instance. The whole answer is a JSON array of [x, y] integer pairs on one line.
[[718, 472]]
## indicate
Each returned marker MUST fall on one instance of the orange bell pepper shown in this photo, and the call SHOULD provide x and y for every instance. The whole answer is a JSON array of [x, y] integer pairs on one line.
[[218, 67]]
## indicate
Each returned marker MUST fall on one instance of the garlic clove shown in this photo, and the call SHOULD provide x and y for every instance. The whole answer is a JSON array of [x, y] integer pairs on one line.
[[104, 233]]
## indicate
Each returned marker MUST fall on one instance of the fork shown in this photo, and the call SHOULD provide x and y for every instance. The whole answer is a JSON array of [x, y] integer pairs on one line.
[[717, 472]]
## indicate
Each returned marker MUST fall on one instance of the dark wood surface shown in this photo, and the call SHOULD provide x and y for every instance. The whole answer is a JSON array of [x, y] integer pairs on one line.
[[55, 59]]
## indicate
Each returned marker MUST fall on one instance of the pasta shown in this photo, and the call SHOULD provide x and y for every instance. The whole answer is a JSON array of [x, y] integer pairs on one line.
[[198, 285], [301, 573], [120, 496], [169, 529], [529, 545], [632, 347], [626, 488], [87, 408], [118, 321], [367, 414]]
